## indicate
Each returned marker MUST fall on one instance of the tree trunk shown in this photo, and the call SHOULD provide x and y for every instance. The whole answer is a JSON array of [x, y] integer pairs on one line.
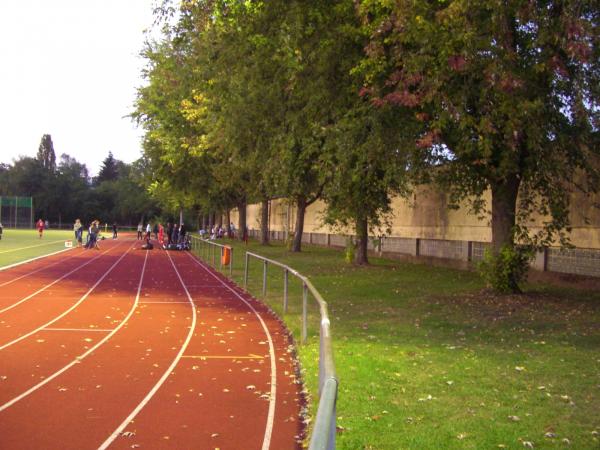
[[264, 222], [180, 215], [211, 221], [228, 219], [243, 232], [362, 239], [220, 219], [504, 205], [299, 229]]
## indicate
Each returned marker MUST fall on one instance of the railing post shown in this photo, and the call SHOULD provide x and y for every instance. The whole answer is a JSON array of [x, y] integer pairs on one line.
[[264, 292], [285, 290], [304, 311], [221, 259], [231, 263], [246, 273]]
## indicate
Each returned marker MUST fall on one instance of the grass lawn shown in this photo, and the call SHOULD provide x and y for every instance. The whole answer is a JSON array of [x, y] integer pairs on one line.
[[20, 245], [427, 359]]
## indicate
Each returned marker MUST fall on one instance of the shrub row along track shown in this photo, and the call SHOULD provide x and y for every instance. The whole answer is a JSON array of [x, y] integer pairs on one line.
[[126, 348]]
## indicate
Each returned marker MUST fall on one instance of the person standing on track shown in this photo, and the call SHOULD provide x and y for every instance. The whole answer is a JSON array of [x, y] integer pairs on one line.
[[140, 229], [95, 232], [161, 234], [148, 232], [40, 227], [169, 232], [182, 232], [114, 227], [77, 228]]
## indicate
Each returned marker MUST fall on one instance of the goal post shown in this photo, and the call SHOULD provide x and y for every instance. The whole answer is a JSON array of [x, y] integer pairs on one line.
[[16, 211]]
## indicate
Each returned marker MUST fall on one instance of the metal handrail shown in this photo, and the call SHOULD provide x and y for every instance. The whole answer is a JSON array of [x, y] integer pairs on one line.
[[323, 435], [198, 243]]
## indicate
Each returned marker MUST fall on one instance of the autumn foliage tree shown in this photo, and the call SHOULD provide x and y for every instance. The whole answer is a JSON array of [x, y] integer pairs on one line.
[[507, 93]]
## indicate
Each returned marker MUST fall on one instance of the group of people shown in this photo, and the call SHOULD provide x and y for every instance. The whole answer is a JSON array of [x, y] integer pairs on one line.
[[171, 237], [92, 235], [218, 232]]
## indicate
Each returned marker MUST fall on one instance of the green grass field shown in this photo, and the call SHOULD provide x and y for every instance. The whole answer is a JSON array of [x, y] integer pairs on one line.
[[21, 245], [427, 359]]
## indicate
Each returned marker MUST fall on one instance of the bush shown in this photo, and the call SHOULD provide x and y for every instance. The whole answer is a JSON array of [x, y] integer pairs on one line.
[[349, 251], [506, 270]]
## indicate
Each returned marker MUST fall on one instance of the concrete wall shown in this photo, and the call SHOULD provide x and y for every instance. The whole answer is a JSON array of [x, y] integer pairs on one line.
[[425, 215]]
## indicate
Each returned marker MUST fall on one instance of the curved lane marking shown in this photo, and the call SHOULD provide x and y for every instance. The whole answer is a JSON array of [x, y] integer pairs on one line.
[[81, 357], [29, 297], [165, 375], [79, 302], [271, 413]]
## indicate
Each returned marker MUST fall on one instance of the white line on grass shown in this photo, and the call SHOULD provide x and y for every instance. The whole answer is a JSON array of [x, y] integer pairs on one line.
[[165, 375], [81, 300], [33, 246], [271, 414], [31, 260], [79, 358]]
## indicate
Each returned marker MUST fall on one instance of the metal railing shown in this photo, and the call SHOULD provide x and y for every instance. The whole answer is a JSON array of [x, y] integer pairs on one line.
[[324, 430], [323, 435], [208, 250]]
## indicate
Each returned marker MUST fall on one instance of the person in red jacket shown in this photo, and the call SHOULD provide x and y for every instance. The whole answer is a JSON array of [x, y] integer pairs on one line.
[[40, 227]]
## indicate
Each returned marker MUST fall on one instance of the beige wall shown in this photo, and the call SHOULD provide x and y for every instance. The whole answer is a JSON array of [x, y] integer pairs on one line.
[[426, 215]]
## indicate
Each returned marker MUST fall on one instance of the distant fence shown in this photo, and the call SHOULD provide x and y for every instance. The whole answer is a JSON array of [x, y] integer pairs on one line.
[[16, 212], [579, 261]]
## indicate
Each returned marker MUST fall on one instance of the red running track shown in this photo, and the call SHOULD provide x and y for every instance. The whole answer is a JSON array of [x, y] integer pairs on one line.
[[126, 348]]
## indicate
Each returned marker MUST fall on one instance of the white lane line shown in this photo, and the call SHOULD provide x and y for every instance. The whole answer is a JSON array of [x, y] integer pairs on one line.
[[33, 246], [104, 330], [79, 358], [36, 270], [20, 263], [79, 302], [165, 375], [164, 303], [53, 283], [271, 414]]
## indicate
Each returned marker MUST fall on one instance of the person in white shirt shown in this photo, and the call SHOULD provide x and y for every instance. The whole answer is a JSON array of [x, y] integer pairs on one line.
[[148, 231]]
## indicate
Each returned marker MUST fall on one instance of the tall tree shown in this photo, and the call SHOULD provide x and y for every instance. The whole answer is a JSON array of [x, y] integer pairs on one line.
[[45, 154], [109, 171], [508, 93]]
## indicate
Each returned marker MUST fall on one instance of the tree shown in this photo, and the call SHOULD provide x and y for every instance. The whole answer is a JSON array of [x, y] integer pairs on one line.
[[508, 95], [109, 171], [45, 154]]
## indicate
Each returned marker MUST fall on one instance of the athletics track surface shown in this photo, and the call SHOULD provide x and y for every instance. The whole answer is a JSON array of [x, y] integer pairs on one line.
[[126, 348]]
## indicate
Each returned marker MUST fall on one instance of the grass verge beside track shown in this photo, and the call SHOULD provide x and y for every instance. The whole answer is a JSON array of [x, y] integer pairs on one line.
[[20, 245], [429, 359]]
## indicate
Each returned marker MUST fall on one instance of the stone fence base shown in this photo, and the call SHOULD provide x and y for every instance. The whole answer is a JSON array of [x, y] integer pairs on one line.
[[578, 261]]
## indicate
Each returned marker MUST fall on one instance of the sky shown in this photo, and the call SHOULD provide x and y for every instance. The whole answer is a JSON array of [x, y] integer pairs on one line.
[[70, 68]]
